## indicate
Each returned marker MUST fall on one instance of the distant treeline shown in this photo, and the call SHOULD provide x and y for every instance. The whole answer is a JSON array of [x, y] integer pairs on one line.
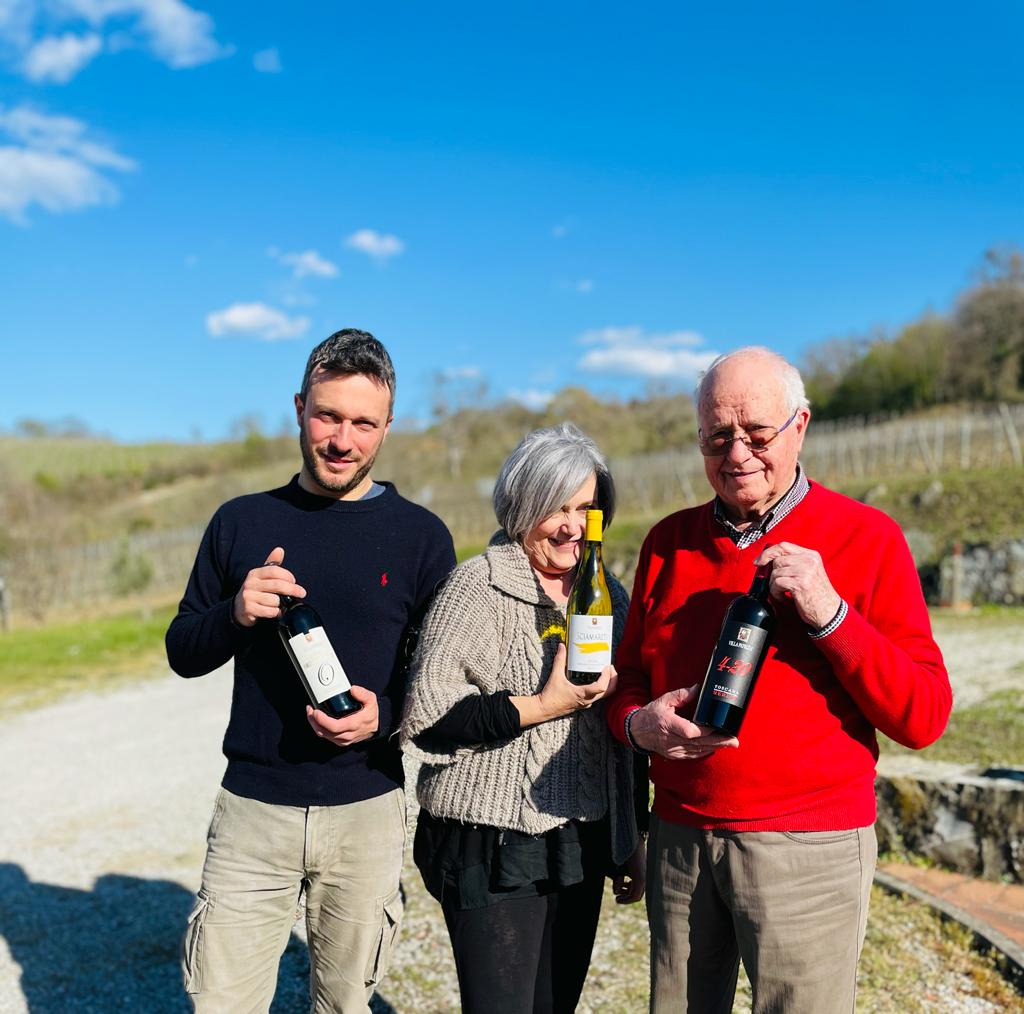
[[975, 353], [472, 435]]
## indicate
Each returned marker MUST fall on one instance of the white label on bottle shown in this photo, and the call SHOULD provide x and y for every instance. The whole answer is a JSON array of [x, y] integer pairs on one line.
[[320, 666], [590, 642]]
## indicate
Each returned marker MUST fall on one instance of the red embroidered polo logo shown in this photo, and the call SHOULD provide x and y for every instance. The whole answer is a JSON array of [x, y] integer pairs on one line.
[[384, 579]]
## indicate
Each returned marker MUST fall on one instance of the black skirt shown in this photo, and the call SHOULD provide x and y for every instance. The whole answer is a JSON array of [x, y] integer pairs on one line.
[[472, 865]]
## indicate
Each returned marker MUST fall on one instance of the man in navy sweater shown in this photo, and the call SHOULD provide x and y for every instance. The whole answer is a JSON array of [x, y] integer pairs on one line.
[[308, 802]]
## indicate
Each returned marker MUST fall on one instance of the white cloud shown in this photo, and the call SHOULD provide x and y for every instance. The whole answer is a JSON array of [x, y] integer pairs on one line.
[[176, 33], [16, 20], [635, 335], [306, 264], [255, 320], [532, 398], [171, 30], [378, 245], [290, 294], [58, 58], [633, 352], [267, 61], [462, 373], [53, 162]]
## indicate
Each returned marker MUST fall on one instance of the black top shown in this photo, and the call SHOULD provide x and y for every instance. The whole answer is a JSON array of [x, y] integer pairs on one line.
[[471, 865], [367, 566], [477, 718]]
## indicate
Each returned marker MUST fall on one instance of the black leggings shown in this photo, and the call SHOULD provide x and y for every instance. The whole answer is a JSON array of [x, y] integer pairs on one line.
[[526, 955]]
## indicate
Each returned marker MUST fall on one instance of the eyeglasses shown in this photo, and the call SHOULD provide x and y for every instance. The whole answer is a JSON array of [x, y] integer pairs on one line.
[[757, 439]]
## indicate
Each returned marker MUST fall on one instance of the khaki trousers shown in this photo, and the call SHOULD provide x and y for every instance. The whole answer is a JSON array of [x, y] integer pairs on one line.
[[793, 905], [259, 858]]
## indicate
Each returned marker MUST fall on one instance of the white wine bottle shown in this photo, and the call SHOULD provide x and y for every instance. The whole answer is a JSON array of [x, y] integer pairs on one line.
[[588, 612], [315, 659]]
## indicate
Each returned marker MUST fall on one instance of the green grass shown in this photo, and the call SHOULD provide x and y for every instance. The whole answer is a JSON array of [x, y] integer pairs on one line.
[[987, 614], [66, 458], [913, 959], [990, 732], [37, 665], [976, 506], [466, 550]]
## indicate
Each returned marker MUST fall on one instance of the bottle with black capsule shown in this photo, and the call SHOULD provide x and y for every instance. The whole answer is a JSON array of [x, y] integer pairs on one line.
[[588, 613], [737, 659], [315, 660]]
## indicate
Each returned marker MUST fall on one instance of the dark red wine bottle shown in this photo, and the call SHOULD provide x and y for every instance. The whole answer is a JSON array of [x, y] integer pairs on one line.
[[736, 661], [315, 660]]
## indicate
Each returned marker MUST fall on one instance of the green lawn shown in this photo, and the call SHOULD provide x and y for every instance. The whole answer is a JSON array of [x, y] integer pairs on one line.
[[38, 665], [990, 732]]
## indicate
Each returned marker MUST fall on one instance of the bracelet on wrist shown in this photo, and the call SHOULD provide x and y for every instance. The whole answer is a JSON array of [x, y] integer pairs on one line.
[[818, 633], [629, 733]]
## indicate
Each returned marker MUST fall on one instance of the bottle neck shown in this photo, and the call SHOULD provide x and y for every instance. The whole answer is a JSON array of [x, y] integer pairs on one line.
[[759, 586], [287, 601]]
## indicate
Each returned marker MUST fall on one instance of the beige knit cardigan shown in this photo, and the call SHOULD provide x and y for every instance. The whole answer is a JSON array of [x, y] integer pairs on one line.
[[493, 628]]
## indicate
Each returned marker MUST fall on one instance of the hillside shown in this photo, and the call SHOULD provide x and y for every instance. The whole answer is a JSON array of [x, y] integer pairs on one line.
[[84, 521]]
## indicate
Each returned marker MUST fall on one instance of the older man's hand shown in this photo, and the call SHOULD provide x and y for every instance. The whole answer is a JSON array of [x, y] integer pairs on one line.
[[660, 728], [801, 573]]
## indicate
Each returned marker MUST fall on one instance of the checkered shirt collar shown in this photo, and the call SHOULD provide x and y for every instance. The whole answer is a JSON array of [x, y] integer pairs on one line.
[[748, 536]]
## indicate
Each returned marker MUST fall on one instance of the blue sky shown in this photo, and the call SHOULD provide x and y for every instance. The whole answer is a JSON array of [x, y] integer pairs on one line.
[[193, 194]]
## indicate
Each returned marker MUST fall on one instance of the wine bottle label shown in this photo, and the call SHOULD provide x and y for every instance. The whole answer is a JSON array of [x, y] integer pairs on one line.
[[590, 642], [736, 659], [320, 666]]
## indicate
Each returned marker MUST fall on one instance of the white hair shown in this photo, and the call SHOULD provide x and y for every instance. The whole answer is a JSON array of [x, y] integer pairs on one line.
[[543, 472], [786, 373]]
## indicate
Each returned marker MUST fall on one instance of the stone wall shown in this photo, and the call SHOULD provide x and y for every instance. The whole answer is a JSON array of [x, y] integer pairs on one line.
[[984, 574], [953, 815]]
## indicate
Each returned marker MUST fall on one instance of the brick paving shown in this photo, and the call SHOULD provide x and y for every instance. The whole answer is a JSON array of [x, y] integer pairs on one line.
[[999, 906]]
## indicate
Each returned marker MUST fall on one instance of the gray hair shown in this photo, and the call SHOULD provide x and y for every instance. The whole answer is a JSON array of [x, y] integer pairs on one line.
[[352, 352], [786, 373], [543, 472]]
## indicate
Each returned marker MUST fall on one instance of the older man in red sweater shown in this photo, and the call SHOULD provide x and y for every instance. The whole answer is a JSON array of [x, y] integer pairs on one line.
[[763, 846]]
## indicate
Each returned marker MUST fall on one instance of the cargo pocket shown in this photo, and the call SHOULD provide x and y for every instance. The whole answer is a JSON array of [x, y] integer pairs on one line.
[[380, 954], [192, 944]]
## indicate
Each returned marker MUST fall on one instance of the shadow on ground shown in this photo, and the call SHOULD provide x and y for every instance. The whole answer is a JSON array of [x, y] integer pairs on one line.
[[115, 948]]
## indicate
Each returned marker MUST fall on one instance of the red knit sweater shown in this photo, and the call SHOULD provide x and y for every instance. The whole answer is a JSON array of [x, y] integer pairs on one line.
[[806, 759]]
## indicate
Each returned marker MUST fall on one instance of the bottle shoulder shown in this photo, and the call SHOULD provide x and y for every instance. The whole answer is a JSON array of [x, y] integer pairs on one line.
[[752, 610], [300, 617]]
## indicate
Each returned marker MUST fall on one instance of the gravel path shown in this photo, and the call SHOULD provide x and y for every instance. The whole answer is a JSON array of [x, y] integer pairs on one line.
[[983, 654], [105, 803]]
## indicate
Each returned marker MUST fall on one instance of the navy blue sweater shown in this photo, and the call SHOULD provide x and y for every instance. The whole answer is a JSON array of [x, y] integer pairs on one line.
[[367, 567]]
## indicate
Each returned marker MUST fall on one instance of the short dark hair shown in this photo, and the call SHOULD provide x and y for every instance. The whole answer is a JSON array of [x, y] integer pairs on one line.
[[354, 352]]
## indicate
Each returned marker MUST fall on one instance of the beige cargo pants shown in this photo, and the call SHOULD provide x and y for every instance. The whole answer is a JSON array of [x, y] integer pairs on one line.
[[259, 857]]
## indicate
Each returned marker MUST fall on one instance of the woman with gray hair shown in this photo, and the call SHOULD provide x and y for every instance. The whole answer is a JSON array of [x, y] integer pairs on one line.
[[526, 800]]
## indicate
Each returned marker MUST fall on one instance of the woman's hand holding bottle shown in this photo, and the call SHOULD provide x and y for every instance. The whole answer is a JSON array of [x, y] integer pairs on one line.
[[559, 697]]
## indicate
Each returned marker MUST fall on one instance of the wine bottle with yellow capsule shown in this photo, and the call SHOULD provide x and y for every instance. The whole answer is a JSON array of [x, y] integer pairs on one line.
[[588, 612]]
